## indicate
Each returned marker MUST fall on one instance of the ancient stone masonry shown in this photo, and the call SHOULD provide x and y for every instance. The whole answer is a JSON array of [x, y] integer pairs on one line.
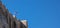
[[7, 20]]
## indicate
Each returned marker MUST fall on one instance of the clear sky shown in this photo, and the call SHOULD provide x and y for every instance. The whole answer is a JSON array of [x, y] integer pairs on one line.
[[39, 13]]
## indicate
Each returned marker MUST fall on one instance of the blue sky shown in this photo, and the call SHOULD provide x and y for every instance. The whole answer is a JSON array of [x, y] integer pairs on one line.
[[39, 13]]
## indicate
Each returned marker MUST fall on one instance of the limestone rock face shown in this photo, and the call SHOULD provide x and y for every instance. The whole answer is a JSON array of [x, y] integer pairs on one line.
[[7, 20], [3, 21]]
